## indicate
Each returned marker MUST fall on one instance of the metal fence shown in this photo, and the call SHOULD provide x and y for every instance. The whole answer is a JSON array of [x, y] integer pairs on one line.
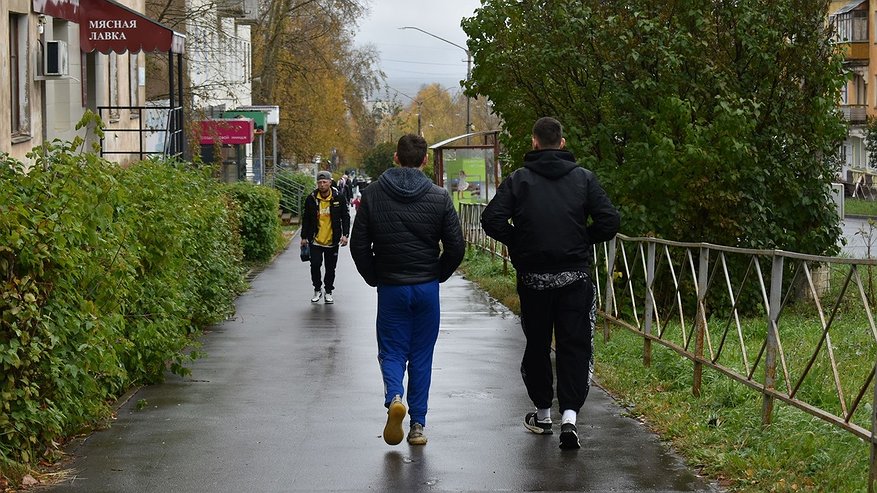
[[170, 132], [292, 192], [796, 328]]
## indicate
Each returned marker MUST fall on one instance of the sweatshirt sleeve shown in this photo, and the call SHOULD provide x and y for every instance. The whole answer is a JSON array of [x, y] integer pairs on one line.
[[361, 245], [307, 219], [606, 219], [496, 216]]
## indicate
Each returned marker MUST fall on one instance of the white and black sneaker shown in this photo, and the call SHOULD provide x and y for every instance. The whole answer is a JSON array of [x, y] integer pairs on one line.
[[569, 437], [329, 299], [538, 426], [317, 295]]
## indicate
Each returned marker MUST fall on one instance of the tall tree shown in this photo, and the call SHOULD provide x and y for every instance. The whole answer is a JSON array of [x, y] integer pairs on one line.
[[304, 60], [707, 120]]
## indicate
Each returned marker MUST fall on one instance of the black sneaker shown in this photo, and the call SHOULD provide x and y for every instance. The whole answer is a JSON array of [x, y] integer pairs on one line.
[[569, 436], [541, 427]]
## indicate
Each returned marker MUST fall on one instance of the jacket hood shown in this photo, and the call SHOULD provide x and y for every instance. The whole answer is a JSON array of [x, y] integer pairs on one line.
[[550, 163], [405, 184]]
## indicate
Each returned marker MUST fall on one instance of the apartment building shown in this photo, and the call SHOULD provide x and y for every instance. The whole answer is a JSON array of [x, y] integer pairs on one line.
[[218, 74], [853, 24], [69, 56]]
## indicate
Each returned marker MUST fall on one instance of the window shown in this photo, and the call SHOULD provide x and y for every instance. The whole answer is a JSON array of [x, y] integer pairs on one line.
[[114, 86], [134, 83], [18, 76], [861, 90], [850, 26]]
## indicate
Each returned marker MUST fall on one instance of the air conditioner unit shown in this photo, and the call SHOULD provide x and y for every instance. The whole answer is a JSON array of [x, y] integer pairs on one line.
[[55, 59]]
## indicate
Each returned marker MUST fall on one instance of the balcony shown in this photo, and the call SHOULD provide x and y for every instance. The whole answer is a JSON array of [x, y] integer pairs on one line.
[[244, 11], [855, 114], [855, 52]]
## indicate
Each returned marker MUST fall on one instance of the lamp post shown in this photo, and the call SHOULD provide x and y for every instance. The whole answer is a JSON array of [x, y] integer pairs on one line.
[[468, 71]]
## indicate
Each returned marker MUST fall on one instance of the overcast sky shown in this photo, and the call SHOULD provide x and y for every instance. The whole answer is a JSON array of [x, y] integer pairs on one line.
[[409, 57]]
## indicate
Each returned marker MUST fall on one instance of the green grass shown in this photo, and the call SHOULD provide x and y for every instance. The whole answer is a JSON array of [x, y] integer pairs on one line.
[[720, 433], [860, 207]]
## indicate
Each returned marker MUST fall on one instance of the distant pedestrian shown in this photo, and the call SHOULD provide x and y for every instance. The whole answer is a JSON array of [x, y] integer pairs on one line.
[[325, 226], [406, 240], [345, 188], [550, 213]]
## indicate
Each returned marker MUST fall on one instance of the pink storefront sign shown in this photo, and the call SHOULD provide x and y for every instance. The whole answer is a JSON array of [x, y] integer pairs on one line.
[[231, 132]]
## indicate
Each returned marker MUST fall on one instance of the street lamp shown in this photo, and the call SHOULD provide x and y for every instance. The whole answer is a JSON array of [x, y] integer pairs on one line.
[[468, 71]]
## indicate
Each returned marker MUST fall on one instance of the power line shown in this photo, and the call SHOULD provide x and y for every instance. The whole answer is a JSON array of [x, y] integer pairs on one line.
[[423, 63]]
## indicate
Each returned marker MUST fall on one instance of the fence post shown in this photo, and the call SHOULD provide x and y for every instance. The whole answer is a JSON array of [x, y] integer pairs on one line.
[[700, 319], [772, 345], [872, 476], [650, 304], [610, 279]]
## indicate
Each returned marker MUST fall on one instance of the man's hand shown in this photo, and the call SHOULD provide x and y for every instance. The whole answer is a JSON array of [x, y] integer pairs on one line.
[[304, 242], [343, 241]]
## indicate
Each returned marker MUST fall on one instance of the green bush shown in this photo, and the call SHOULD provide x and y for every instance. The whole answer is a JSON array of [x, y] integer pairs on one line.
[[259, 225], [105, 274]]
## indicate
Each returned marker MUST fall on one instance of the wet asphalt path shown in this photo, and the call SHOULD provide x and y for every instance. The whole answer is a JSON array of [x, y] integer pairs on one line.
[[289, 398]]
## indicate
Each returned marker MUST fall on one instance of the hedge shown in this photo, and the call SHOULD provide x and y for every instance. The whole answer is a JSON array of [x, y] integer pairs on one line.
[[106, 273]]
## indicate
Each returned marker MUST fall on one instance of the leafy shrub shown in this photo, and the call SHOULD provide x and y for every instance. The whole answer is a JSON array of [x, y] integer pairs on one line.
[[259, 224], [105, 273]]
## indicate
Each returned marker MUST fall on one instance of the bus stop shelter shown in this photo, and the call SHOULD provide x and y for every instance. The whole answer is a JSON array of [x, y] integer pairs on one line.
[[468, 166]]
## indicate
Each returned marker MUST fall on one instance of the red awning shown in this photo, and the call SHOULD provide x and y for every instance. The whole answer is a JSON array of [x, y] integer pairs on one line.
[[105, 26]]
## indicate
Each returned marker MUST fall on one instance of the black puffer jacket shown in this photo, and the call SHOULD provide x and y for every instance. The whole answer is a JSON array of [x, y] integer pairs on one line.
[[558, 211], [406, 231]]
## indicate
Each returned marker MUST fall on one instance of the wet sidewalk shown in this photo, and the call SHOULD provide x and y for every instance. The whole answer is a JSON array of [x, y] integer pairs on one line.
[[289, 398]]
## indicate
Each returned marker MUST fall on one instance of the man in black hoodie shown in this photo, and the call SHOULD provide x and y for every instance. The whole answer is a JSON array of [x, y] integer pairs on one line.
[[406, 240], [558, 211]]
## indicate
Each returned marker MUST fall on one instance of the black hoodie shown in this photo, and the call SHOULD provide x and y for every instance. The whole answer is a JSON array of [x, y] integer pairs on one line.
[[406, 231], [550, 202]]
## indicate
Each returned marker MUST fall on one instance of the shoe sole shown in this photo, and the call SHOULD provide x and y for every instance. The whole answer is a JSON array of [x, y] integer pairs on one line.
[[537, 430], [330, 302], [393, 432], [569, 441]]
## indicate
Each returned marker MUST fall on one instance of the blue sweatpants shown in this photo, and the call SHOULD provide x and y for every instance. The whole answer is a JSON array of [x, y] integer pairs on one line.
[[407, 329]]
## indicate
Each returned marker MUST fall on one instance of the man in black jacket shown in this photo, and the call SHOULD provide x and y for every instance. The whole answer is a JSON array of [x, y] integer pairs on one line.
[[558, 211], [325, 225], [406, 240]]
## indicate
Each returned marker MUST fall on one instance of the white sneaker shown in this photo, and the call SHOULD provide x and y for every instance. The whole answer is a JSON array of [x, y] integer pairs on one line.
[[317, 295], [329, 299]]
